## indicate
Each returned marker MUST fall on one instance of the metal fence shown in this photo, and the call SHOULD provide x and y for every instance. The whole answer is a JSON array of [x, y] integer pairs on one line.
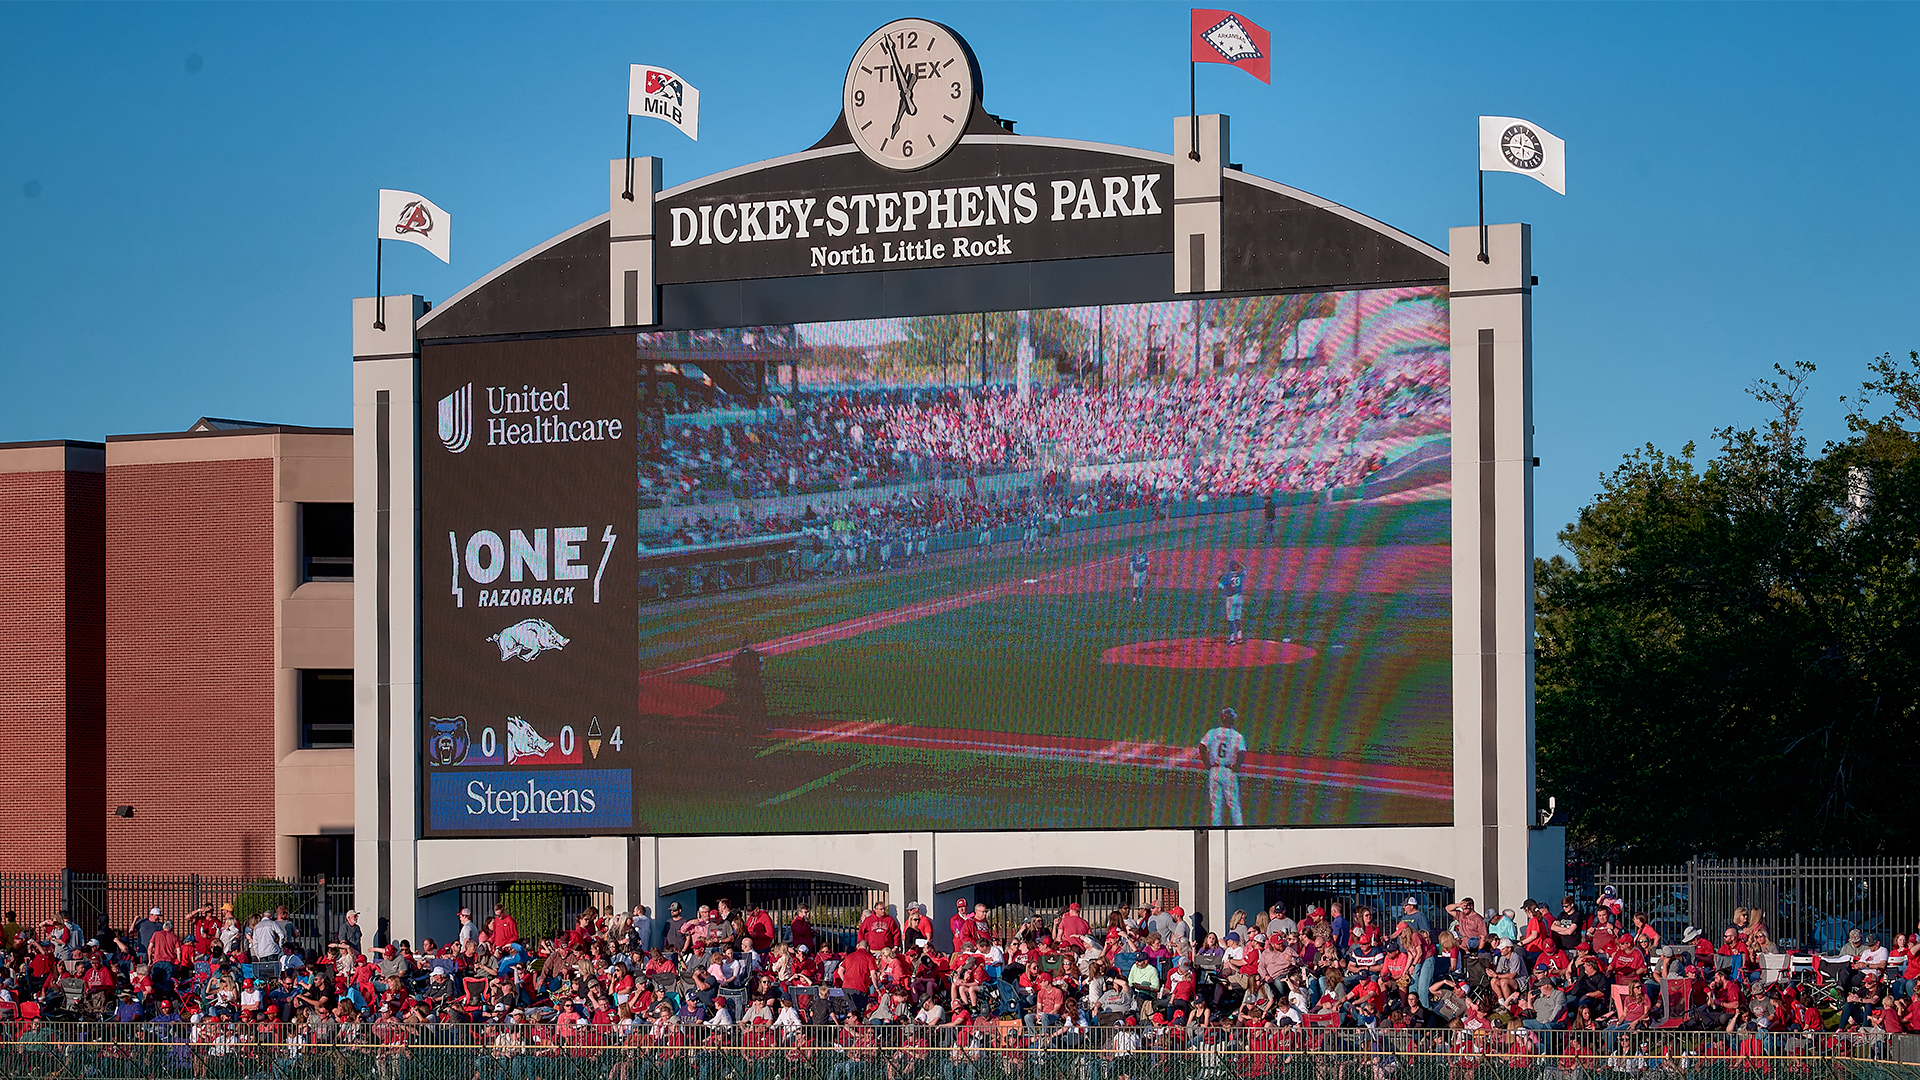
[[398, 1051], [1805, 903], [317, 906], [480, 897], [1012, 902], [836, 907]]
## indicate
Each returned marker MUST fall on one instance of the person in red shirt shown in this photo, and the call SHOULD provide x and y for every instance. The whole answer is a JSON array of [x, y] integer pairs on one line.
[[97, 982], [855, 975], [879, 929], [959, 925], [1628, 967], [1070, 926], [163, 956], [503, 931], [760, 930], [800, 930], [1049, 1001]]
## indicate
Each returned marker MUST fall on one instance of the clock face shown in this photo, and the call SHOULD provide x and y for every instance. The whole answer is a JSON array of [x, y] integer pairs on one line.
[[909, 91], [1522, 147]]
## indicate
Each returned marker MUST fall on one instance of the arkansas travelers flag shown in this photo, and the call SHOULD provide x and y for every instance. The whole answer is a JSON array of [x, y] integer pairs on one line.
[[659, 93], [414, 218], [1222, 37], [1509, 144]]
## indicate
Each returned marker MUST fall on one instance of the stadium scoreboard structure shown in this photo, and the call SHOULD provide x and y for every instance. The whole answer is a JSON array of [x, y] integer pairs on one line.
[[835, 515]]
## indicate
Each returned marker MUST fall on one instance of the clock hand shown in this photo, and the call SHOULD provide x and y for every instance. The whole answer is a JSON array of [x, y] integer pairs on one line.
[[904, 83]]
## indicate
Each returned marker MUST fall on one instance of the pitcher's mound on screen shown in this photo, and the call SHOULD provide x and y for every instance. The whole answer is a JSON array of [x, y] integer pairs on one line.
[[1207, 653]]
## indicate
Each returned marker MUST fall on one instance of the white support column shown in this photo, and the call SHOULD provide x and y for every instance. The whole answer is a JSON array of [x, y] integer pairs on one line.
[[1196, 204], [385, 616], [632, 299], [1492, 348], [1219, 910]]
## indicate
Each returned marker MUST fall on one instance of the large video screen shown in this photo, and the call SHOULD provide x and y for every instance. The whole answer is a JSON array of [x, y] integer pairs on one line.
[[1151, 565]]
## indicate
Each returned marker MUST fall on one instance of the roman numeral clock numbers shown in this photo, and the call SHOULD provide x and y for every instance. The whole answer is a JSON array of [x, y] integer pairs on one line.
[[909, 92]]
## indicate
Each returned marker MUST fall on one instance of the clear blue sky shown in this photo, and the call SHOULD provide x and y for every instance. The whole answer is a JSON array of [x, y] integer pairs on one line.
[[186, 190]]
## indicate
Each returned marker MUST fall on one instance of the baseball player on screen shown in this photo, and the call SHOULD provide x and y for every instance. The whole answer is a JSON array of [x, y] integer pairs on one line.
[[1138, 566], [1222, 749], [1233, 588]]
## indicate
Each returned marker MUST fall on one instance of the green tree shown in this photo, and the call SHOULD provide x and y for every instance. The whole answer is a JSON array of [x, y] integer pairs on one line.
[[1727, 663], [535, 907], [952, 344]]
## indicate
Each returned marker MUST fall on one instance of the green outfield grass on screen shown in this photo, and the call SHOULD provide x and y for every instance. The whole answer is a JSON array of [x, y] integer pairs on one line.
[[1152, 565]]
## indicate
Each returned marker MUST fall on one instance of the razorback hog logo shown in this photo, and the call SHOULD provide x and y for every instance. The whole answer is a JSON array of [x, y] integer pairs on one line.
[[523, 741], [527, 639], [658, 81], [447, 740], [414, 218]]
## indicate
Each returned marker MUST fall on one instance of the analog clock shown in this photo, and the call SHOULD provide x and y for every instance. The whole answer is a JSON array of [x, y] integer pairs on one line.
[[909, 92]]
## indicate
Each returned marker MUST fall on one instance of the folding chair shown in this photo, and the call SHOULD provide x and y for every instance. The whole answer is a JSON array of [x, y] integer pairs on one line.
[[1775, 968]]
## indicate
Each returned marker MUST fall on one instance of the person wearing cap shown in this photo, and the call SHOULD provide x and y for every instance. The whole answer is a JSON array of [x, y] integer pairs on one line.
[[1410, 913], [97, 983], [1509, 972], [1144, 979], [143, 931], [1071, 924], [163, 956], [1049, 1003], [918, 925], [1221, 751]]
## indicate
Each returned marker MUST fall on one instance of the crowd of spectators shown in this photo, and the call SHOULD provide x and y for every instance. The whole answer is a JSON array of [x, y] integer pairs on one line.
[[1135, 979], [1298, 429]]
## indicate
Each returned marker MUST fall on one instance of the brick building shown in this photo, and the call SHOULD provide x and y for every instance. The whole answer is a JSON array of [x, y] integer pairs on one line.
[[52, 707], [181, 606]]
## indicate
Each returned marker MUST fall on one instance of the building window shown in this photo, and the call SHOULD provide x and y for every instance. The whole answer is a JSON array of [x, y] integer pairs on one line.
[[326, 709], [326, 541], [329, 855]]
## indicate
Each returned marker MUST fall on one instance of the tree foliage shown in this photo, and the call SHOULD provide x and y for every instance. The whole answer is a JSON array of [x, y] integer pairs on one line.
[[1729, 664]]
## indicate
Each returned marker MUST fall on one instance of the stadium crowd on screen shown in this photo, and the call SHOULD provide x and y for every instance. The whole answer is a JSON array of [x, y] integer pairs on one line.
[[1299, 430], [1127, 978]]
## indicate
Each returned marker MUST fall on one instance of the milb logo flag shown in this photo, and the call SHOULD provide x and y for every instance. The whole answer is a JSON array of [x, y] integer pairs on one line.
[[1222, 37], [659, 93]]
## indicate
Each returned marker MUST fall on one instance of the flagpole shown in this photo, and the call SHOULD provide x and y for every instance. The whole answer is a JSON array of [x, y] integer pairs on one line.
[[1483, 216], [628, 194], [1193, 107], [379, 301]]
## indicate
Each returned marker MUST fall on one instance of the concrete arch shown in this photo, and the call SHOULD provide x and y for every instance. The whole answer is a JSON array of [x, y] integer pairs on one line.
[[518, 875], [1236, 884], [791, 875], [974, 879]]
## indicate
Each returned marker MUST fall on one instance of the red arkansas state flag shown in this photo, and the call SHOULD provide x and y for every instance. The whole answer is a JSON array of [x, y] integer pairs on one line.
[[1222, 37]]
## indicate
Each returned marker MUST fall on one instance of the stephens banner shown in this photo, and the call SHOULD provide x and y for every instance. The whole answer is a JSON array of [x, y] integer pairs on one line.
[[988, 201]]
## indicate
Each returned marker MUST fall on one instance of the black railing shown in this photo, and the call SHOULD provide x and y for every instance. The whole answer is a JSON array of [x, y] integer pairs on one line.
[[1808, 904]]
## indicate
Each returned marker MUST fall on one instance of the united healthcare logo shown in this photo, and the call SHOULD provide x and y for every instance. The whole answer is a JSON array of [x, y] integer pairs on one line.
[[456, 419]]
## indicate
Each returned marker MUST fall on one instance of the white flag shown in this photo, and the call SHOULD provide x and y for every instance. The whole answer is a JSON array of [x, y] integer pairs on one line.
[[410, 217], [659, 93], [1508, 144]]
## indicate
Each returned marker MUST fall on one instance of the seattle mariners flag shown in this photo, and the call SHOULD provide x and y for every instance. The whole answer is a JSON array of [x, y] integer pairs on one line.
[[415, 219], [1223, 37], [1509, 144], [659, 93]]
